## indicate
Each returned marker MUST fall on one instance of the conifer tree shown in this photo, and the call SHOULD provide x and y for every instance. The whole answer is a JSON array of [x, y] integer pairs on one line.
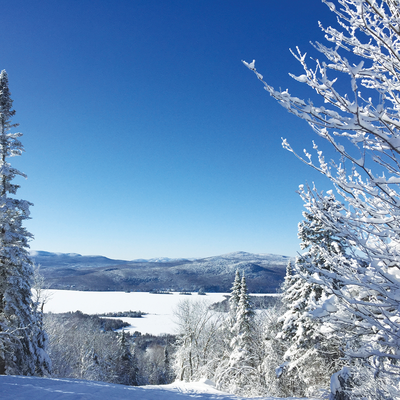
[[243, 328], [234, 300], [241, 375], [128, 370], [235, 295], [19, 350], [167, 376], [227, 332], [311, 356]]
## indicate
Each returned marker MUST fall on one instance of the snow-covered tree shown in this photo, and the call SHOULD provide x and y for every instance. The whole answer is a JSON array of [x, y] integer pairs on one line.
[[127, 369], [80, 348], [235, 296], [227, 327], [363, 126], [167, 375], [20, 352], [39, 299], [199, 343], [244, 325], [312, 354], [241, 374], [276, 383]]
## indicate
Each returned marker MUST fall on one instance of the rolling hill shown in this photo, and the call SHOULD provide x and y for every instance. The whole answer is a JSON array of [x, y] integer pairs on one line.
[[264, 272]]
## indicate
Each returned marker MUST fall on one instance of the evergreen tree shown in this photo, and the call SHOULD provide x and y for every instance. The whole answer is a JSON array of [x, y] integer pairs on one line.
[[167, 376], [241, 374], [243, 328], [227, 331], [42, 359], [43, 362], [19, 351], [235, 296], [228, 328], [128, 369], [311, 356]]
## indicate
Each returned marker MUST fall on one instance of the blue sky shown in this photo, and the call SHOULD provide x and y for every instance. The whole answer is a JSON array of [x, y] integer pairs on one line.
[[146, 136]]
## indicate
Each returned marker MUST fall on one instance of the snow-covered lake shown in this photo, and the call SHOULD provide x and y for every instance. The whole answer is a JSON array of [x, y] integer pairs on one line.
[[159, 307]]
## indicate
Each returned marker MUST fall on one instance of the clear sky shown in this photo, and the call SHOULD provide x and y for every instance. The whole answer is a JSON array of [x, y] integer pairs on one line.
[[146, 136]]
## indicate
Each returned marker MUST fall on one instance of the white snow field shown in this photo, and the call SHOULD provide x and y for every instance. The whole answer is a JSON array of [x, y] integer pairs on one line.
[[30, 388], [159, 307]]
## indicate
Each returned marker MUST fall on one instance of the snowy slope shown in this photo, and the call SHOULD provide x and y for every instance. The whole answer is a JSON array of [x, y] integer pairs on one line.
[[29, 388]]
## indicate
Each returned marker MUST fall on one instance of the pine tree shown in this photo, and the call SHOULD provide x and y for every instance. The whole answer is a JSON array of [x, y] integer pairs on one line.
[[39, 298], [167, 376], [243, 328], [235, 295], [234, 300], [19, 352], [240, 375], [311, 356], [128, 369], [227, 333]]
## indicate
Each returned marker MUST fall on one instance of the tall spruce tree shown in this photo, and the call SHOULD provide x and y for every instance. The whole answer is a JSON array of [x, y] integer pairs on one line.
[[19, 352], [227, 333], [240, 375], [234, 300], [128, 370], [312, 355], [235, 295], [244, 326]]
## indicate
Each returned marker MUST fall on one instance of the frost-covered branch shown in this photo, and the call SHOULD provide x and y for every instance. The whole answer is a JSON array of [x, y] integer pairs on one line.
[[363, 126]]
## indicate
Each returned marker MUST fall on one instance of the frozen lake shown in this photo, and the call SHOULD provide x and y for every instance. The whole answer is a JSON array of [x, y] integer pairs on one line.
[[159, 307]]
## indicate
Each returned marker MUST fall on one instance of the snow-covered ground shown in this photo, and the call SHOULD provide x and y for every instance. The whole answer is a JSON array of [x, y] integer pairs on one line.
[[159, 307], [159, 320], [24, 388]]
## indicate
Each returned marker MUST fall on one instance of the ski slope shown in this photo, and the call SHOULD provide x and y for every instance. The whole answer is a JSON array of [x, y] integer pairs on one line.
[[30, 388]]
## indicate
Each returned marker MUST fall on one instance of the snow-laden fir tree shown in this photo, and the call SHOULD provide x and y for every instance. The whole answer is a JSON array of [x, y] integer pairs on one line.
[[167, 375], [227, 331], [127, 368], [314, 352], [363, 126], [235, 296], [242, 342], [19, 331], [241, 374], [228, 327]]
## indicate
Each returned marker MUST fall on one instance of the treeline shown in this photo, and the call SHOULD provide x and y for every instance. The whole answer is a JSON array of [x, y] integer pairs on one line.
[[232, 347], [87, 347], [288, 349], [308, 344], [123, 314]]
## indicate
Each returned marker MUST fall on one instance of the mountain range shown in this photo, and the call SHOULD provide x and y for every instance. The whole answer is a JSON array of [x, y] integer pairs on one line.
[[264, 272]]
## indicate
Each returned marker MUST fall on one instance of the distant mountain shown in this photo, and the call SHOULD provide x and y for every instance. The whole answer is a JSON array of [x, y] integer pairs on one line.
[[264, 272]]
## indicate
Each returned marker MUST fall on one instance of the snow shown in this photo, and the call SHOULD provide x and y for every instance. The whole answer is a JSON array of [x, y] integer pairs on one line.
[[23, 387], [159, 307]]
